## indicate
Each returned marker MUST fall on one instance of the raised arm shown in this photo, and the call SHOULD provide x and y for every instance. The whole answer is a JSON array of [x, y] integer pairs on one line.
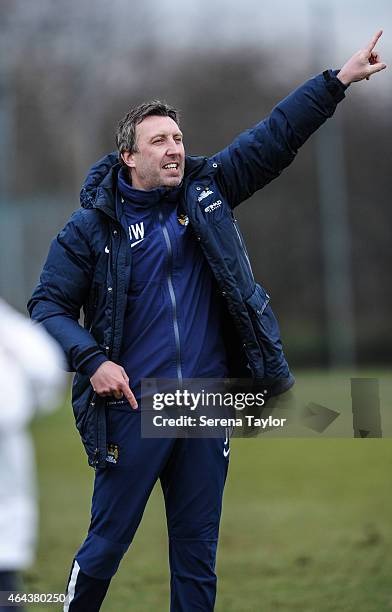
[[259, 155]]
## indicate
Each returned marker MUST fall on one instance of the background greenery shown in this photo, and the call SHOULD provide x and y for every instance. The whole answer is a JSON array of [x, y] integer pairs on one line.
[[306, 522]]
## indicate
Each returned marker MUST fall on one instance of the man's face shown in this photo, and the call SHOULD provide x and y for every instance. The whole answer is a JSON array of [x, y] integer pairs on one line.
[[160, 157]]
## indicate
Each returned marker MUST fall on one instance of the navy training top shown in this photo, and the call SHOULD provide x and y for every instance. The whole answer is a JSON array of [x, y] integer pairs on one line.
[[173, 322]]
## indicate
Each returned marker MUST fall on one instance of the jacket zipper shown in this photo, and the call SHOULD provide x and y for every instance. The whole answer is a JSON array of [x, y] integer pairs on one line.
[[92, 403], [172, 295], [115, 250], [114, 289], [243, 247]]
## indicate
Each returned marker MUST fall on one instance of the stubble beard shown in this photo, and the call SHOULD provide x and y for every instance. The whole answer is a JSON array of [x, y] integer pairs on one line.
[[151, 178]]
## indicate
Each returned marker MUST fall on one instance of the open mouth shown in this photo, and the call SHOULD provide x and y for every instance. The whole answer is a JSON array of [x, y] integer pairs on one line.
[[171, 166]]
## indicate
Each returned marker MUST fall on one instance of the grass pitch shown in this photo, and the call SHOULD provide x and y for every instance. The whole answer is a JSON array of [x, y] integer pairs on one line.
[[306, 521]]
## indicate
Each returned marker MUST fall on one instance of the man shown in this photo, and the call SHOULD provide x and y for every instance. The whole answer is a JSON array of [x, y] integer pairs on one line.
[[156, 259]]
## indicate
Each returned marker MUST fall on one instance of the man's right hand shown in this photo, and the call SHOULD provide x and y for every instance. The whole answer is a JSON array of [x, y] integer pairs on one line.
[[111, 379]]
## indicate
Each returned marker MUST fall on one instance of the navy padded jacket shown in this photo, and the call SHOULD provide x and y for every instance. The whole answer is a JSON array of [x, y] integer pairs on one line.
[[89, 262]]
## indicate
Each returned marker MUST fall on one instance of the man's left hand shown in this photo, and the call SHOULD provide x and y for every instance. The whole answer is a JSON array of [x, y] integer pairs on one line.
[[362, 64]]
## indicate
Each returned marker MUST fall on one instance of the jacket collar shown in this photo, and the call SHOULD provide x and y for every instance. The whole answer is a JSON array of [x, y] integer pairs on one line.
[[100, 187], [140, 199]]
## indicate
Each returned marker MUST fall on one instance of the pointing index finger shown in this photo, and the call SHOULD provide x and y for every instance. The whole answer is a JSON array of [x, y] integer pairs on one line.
[[129, 395], [374, 40]]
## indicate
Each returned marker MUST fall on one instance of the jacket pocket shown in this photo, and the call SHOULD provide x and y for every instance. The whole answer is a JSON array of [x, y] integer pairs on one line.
[[258, 301], [85, 418], [267, 332], [93, 431]]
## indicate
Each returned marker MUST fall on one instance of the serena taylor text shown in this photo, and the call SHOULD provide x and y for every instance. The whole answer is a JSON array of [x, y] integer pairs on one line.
[[203, 421]]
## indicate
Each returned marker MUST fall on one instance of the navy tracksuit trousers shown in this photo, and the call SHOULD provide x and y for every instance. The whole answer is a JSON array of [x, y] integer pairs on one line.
[[192, 473]]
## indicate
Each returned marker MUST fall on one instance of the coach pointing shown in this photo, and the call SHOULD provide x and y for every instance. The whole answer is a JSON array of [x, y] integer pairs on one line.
[[156, 259]]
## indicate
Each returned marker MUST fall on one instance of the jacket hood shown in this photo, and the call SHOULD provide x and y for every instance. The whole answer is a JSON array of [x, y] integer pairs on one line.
[[99, 187]]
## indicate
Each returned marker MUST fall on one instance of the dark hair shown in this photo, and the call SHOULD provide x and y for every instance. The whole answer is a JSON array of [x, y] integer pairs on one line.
[[126, 130]]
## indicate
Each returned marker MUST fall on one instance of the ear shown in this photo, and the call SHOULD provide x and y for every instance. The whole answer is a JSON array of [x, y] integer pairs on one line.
[[128, 159]]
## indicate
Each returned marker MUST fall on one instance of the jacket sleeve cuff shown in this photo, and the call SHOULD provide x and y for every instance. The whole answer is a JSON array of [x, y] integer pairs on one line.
[[91, 365], [335, 87]]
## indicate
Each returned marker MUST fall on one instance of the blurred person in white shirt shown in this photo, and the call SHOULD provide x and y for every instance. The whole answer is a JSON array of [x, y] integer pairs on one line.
[[31, 381]]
